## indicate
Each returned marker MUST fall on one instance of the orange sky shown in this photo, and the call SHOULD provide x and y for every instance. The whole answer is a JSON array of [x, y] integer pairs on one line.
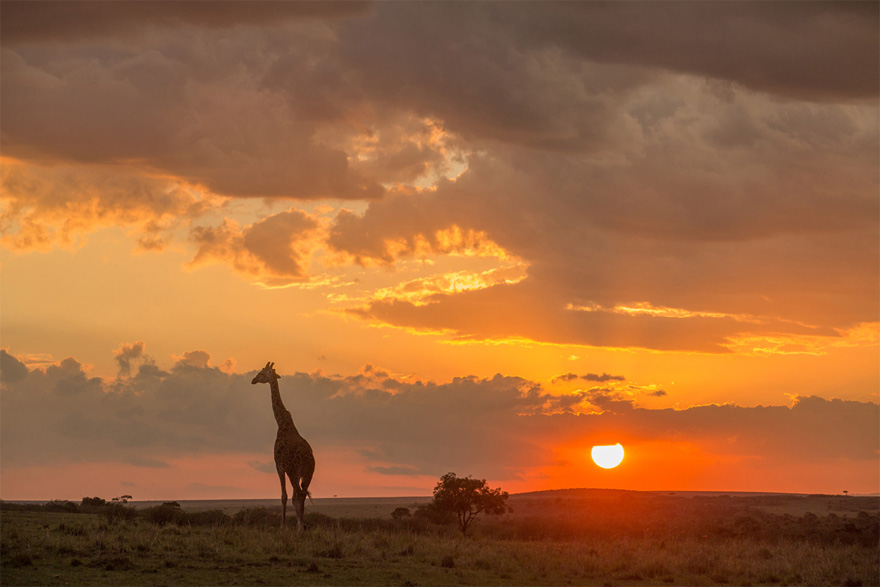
[[477, 238]]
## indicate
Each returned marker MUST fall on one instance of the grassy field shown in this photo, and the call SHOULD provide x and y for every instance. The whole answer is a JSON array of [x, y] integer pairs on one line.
[[557, 538], [336, 507]]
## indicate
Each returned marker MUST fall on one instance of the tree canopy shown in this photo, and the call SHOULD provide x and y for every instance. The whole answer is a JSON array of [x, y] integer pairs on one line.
[[466, 497]]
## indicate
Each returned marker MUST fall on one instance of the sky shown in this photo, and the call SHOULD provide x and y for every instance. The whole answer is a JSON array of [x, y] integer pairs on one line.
[[472, 237]]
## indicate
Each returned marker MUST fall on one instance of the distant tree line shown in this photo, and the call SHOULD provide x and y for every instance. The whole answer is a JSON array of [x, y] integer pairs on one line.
[[118, 509], [544, 518]]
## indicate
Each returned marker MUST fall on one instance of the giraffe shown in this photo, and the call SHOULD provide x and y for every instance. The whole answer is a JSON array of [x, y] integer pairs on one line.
[[293, 455]]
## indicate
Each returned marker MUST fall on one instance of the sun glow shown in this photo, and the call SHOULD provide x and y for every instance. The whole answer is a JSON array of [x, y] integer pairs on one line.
[[608, 456]]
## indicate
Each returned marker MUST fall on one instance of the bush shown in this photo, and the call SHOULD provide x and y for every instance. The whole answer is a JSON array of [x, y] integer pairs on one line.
[[116, 512], [92, 503], [63, 506], [436, 515], [163, 514]]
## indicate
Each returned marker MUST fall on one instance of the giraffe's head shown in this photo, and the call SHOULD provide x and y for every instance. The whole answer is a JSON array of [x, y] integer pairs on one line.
[[266, 375]]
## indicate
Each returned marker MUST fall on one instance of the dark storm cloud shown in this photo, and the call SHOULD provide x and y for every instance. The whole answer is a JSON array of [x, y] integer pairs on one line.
[[816, 50], [549, 74], [714, 158], [194, 109], [497, 427], [53, 21], [240, 112]]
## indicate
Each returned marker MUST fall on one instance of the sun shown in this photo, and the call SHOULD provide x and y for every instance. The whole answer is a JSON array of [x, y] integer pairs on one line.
[[608, 456]]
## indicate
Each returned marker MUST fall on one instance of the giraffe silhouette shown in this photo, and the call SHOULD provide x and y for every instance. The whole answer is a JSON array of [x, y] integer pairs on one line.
[[293, 455]]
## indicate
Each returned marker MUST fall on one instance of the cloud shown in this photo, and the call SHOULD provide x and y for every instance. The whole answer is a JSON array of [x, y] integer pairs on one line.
[[276, 248], [172, 109], [194, 359], [611, 400], [709, 165], [551, 76], [393, 470], [495, 313], [764, 47], [602, 378], [565, 378], [52, 21], [11, 369], [501, 427], [263, 467], [49, 206], [634, 245], [127, 353]]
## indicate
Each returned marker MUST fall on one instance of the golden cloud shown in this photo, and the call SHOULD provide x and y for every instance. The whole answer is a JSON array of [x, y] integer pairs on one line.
[[50, 206], [420, 291]]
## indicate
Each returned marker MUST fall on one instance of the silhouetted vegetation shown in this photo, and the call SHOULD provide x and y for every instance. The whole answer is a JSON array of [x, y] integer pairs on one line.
[[118, 510], [466, 497], [568, 516], [401, 513], [604, 514]]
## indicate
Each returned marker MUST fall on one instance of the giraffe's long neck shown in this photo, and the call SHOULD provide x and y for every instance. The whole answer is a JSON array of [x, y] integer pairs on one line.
[[282, 416]]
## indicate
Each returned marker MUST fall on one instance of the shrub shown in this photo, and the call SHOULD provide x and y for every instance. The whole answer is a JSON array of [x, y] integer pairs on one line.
[[61, 505], [93, 503], [163, 514], [116, 512], [434, 514]]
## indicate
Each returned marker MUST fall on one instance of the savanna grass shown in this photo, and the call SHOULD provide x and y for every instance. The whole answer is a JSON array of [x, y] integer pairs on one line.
[[45, 548]]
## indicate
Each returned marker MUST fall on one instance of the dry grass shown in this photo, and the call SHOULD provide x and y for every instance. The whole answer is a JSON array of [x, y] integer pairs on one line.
[[79, 549]]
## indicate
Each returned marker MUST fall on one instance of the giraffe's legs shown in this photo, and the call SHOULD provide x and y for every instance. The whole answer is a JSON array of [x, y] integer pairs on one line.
[[299, 504], [283, 497]]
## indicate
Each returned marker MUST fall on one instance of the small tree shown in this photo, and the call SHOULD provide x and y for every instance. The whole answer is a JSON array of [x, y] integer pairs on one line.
[[117, 510], [93, 502], [467, 497]]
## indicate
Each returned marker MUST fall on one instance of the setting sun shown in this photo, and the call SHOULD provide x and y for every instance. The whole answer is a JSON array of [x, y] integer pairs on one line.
[[608, 456]]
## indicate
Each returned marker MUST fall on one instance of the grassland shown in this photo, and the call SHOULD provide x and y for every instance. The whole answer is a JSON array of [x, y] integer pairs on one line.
[[558, 538]]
